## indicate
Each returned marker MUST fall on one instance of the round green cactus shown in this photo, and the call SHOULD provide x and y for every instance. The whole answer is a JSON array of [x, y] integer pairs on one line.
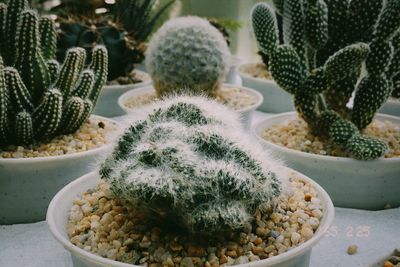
[[189, 161], [187, 54]]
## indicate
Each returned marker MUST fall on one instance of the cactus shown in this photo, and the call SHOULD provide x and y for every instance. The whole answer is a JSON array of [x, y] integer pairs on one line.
[[187, 53], [186, 162], [121, 31], [338, 37], [39, 99]]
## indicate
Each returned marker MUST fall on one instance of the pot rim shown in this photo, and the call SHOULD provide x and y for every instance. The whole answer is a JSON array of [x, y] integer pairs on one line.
[[130, 93], [325, 223], [249, 77], [130, 85], [74, 155], [259, 126]]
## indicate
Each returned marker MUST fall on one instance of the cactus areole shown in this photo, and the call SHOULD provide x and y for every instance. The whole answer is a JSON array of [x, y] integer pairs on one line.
[[40, 98], [189, 162], [326, 44]]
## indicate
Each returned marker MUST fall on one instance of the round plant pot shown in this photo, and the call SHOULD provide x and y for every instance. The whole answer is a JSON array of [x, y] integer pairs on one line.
[[351, 183], [57, 217], [391, 107], [245, 113], [107, 104], [28, 184], [276, 100]]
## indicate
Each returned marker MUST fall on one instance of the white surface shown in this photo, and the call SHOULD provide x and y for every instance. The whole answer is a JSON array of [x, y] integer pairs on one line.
[[376, 233]]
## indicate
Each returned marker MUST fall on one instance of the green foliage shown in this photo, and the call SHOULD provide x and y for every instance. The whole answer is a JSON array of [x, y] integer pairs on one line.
[[188, 164], [35, 91], [326, 44], [123, 30]]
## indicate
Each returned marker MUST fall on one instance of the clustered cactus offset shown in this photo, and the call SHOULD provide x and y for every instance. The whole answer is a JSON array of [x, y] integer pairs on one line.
[[187, 161], [326, 44], [187, 54], [123, 31], [39, 98]]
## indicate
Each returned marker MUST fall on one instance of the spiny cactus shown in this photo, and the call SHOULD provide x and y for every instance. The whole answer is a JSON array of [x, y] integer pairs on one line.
[[123, 31], [327, 43], [187, 160], [187, 53], [40, 99]]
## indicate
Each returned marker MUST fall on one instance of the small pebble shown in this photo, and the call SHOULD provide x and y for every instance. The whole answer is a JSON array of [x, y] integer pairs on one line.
[[351, 250]]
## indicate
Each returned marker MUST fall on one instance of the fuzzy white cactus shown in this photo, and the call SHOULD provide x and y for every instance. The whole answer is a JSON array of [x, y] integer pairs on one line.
[[189, 163], [188, 54]]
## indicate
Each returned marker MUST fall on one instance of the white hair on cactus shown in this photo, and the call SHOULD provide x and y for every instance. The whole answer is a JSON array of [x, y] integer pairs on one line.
[[182, 158], [187, 53]]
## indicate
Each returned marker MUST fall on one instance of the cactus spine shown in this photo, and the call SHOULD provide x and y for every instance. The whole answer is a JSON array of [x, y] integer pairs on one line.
[[185, 162], [38, 98], [338, 36]]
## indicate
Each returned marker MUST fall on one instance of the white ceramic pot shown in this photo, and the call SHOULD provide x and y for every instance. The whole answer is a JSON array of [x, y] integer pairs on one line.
[[57, 216], [107, 105], [276, 100], [245, 114], [27, 185], [391, 107], [350, 183]]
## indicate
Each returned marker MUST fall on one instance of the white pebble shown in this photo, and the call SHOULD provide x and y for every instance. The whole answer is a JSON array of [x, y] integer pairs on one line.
[[295, 238]]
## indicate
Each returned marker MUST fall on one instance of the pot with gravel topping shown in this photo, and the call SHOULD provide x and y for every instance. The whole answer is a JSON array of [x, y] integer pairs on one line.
[[107, 105], [186, 186], [257, 77], [351, 183], [241, 99], [31, 176], [45, 109]]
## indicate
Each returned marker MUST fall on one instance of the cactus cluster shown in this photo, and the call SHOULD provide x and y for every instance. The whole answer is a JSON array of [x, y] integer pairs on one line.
[[187, 53], [123, 31], [188, 162], [325, 46], [39, 98]]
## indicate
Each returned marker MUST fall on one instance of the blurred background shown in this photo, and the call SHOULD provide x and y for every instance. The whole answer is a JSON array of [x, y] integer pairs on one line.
[[232, 14]]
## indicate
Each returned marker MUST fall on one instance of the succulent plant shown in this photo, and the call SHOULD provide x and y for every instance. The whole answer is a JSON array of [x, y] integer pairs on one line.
[[123, 31], [188, 161], [40, 99], [326, 43], [187, 54]]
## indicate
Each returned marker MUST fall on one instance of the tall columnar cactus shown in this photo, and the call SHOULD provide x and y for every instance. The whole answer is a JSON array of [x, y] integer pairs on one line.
[[187, 54], [188, 161], [40, 99], [327, 42]]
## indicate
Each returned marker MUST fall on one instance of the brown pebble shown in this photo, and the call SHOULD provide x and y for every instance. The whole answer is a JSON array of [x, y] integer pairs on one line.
[[307, 197], [155, 234], [196, 261], [232, 253], [258, 241], [175, 247], [388, 264], [262, 255], [352, 249], [196, 251], [223, 259], [257, 250], [101, 125]]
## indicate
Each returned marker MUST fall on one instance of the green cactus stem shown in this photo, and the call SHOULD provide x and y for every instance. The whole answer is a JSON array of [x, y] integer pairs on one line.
[[39, 99], [48, 39], [193, 170], [338, 36]]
